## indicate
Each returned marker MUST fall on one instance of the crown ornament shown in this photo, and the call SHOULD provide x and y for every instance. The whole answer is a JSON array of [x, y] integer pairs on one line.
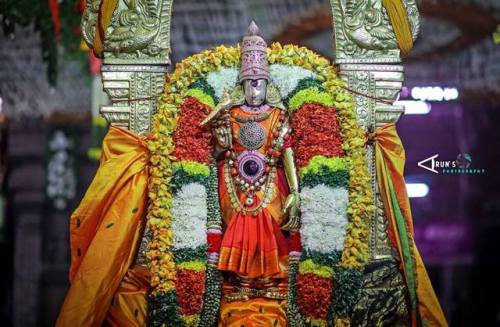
[[254, 63]]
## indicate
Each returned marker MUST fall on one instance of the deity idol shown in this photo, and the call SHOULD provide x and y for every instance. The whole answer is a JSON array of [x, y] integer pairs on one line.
[[258, 190]]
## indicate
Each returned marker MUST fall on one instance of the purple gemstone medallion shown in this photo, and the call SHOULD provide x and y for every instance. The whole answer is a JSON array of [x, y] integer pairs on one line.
[[251, 165]]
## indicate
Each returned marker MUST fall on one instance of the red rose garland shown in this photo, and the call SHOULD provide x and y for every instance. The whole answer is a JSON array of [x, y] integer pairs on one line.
[[316, 131], [191, 141], [314, 295], [190, 286]]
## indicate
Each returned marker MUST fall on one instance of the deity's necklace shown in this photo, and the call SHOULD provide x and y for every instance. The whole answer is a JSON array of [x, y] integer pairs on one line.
[[251, 170], [258, 118], [255, 110]]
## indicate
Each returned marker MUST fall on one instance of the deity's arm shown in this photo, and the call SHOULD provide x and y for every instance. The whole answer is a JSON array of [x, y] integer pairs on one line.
[[223, 139], [218, 122], [292, 203]]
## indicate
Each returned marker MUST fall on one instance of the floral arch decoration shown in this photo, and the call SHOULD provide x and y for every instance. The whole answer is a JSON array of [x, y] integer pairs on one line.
[[331, 250]]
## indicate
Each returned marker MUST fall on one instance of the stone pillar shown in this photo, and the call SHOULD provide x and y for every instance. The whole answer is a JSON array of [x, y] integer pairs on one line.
[[369, 60], [136, 58], [367, 53]]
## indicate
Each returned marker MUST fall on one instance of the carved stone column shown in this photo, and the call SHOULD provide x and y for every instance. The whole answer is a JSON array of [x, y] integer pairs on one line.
[[367, 53], [136, 58], [368, 56]]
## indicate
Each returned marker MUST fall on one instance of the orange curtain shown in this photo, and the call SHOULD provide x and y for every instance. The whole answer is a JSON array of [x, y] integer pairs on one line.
[[390, 161], [106, 229]]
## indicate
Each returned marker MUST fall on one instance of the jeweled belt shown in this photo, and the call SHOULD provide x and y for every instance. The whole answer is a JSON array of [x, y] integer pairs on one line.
[[243, 291]]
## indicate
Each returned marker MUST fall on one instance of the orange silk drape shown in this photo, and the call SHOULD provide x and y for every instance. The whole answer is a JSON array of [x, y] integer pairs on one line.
[[256, 312], [390, 161], [106, 229]]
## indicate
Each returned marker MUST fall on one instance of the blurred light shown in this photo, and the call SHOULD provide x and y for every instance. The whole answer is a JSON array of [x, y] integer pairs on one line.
[[417, 190], [405, 92], [496, 35], [434, 93], [414, 107]]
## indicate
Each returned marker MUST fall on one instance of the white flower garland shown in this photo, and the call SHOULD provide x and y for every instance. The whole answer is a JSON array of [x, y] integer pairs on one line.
[[189, 216], [222, 79], [287, 77], [324, 218]]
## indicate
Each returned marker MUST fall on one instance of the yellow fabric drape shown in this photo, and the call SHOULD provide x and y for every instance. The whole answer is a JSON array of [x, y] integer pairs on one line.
[[106, 10], [106, 229], [400, 24], [390, 161], [254, 312], [129, 306]]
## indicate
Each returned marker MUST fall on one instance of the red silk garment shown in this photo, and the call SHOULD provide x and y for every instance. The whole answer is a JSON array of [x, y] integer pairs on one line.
[[254, 245]]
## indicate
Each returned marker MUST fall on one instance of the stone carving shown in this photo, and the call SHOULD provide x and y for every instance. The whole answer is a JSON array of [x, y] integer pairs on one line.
[[133, 91], [89, 21], [363, 32], [367, 51], [136, 57], [134, 31], [139, 32]]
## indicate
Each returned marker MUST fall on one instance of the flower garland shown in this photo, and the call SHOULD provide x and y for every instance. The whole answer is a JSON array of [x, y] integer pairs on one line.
[[322, 170], [324, 217], [161, 258], [317, 146], [189, 211], [325, 175], [201, 96], [203, 85], [303, 84], [316, 296], [310, 267], [190, 205], [222, 79], [187, 172], [318, 134], [312, 94], [280, 76], [182, 302], [213, 288], [192, 142]]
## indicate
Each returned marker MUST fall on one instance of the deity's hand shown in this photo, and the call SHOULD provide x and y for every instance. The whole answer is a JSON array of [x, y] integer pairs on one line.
[[292, 209], [222, 107], [223, 135]]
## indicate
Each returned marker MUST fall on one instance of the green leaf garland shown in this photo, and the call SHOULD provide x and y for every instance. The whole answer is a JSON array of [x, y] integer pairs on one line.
[[327, 177], [183, 255], [163, 310]]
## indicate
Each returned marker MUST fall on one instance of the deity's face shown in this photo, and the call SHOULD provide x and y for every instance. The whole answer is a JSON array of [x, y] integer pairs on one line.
[[255, 91]]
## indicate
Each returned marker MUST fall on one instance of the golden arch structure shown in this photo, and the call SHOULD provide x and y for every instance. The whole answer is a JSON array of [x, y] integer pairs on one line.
[[148, 239]]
